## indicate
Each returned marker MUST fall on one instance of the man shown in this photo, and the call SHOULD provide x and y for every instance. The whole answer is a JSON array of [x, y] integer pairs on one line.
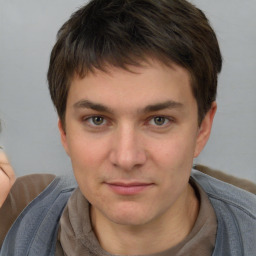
[[134, 84]]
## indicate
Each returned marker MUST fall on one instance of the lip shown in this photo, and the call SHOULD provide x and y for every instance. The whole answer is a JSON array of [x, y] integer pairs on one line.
[[133, 188]]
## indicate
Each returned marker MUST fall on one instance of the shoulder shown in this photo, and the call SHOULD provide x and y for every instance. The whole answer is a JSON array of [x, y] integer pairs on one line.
[[36, 225], [220, 175], [231, 195], [28, 189], [235, 210], [24, 190], [31, 185], [59, 187]]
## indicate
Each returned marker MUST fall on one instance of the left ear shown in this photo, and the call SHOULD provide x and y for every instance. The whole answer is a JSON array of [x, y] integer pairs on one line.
[[205, 129]]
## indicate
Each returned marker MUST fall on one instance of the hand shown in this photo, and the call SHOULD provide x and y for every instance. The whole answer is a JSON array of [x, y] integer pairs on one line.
[[7, 177]]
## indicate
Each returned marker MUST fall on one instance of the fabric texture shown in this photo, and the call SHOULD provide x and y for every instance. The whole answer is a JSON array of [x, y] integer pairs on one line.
[[35, 230], [236, 214], [27, 187], [235, 210], [220, 175], [76, 236], [24, 190]]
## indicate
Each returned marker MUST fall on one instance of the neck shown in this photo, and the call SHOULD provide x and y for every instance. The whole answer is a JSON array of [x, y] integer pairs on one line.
[[158, 235]]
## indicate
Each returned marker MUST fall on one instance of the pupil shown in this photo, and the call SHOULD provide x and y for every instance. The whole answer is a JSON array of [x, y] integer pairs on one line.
[[98, 120], [159, 120]]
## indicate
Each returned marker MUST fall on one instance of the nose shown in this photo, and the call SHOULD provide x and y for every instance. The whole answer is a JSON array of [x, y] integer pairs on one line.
[[127, 150]]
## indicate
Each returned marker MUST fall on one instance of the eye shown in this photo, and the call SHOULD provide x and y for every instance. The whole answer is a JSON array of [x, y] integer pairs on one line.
[[159, 121], [96, 120]]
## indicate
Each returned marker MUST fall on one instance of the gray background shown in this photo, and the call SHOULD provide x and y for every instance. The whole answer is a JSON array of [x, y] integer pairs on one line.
[[29, 122]]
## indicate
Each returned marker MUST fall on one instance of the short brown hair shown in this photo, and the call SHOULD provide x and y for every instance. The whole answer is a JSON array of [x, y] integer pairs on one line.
[[126, 32]]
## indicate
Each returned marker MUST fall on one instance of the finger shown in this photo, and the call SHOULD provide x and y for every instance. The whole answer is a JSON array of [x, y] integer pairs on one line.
[[5, 187], [6, 167]]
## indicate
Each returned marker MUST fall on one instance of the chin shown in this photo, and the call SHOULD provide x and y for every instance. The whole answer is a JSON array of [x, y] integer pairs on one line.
[[130, 215]]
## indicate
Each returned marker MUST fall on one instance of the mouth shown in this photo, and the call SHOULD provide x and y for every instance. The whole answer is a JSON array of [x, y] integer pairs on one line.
[[133, 188]]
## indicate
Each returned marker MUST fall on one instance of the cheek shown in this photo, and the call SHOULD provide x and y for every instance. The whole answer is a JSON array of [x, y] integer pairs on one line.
[[88, 157], [175, 152], [174, 160], [86, 152], [85, 163]]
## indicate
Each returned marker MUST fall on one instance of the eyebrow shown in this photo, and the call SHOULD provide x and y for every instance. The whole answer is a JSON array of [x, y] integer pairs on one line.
[[91, 105], [170, 104]]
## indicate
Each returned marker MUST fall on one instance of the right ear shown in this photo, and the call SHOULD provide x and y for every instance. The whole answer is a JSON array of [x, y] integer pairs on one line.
[[63, 137]]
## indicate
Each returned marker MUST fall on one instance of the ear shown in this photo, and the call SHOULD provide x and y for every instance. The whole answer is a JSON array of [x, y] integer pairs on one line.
[[63, 137], [205, 129]]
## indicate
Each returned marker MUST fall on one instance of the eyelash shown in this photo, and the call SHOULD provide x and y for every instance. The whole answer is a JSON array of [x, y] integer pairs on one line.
[[87, 120], [90, 122], [165, 119], [167, 123]]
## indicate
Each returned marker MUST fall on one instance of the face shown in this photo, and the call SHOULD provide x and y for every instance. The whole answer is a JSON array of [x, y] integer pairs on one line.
[[132, 137]]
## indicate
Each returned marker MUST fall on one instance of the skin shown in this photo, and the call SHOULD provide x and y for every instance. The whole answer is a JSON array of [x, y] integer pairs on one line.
[[7, 177], [132, 137]]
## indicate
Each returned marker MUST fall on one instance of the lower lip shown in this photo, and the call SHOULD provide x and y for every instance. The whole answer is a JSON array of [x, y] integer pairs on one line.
[[129, 190]]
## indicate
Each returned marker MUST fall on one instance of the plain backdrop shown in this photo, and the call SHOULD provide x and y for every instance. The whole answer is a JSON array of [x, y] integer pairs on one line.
[[29, 122]]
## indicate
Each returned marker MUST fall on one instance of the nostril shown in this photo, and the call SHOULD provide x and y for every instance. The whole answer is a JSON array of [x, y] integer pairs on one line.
[[128, 160]]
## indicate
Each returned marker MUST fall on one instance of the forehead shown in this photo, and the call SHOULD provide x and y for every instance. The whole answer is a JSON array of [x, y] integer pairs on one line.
[[151, 81]]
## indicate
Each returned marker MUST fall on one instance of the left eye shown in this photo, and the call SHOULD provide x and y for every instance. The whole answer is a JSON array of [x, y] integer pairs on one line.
[[96, 120], [159, 121]]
